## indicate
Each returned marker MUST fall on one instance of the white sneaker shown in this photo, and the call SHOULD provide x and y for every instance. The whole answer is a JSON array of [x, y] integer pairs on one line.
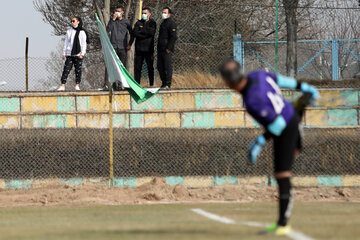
[[61, 88], [77, 88]]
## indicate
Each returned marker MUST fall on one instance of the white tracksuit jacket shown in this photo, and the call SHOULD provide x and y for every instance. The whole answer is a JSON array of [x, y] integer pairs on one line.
[[69, 40]]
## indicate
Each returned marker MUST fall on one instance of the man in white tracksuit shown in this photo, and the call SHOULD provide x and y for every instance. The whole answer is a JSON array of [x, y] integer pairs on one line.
[[74, 51]]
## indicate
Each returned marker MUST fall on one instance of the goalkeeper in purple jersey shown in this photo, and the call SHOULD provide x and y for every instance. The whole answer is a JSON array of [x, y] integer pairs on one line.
[[281, 119]]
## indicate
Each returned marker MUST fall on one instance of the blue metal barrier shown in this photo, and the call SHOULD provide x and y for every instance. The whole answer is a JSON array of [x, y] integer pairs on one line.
[[239, 52]]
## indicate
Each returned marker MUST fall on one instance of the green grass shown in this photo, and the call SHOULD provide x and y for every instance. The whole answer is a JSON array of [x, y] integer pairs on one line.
[[318, 220]]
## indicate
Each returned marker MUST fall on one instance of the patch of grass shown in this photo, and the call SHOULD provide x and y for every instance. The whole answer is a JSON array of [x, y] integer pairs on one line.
[[319, 220], [193, 79], [197, 80]]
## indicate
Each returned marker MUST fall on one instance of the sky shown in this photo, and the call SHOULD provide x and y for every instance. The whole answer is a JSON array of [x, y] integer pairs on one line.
[[19, 20]]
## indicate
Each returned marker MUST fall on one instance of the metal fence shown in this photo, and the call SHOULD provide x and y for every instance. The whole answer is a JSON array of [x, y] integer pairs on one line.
[[179, 133], [317, 59], [174, 134], [333, 63], [13, 73], [205, 38], [84, 153]]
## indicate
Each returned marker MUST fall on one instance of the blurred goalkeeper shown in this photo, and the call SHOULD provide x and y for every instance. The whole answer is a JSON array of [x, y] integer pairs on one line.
[[281, 119]]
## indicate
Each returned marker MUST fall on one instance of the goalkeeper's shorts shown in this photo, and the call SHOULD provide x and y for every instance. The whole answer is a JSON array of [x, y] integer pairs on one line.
[[286, 144]]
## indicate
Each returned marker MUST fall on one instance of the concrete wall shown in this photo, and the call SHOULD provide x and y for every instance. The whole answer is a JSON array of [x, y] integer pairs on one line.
[[167, 109]]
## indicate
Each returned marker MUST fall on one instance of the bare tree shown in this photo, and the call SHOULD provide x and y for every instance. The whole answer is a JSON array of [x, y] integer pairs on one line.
[[338, 19], [290, 7], [205, 27], [59, 12]]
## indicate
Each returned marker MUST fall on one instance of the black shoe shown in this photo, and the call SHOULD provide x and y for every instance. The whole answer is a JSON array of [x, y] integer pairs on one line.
[[117, 86]]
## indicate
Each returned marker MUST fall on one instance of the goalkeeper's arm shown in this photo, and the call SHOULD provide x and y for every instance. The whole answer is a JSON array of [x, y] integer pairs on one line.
[[257, 146], [292, 83]]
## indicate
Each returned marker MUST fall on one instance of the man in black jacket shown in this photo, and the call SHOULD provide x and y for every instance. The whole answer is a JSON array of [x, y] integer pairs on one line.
[[165, 47], [119, 27], [144, 33]]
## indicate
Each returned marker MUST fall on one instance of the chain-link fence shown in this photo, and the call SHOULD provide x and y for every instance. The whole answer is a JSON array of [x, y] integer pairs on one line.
[[179, 134], [205, 38], [13, 73], [84, 153], [317, 60]]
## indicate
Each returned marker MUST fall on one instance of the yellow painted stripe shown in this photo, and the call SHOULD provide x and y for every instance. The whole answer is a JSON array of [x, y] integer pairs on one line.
[[9, 122], [257, 181], [164, 120], [351, 181], [197, 182], [316, 117], [229, 119], [71, 121], [121, 102], [97, 181], [179, 101], [45, 183], [142, 180], [306, 181], [249, 121], [329, 98], [2, 184], [39, 104], [99, 103], [93, 121]]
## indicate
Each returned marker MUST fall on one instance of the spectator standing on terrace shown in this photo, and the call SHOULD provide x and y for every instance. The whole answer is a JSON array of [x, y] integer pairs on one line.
[[119, 27], [76, 41], [166, 47], [144, 33]]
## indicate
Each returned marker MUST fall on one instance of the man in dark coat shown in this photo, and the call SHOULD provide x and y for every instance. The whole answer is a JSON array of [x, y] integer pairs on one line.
[[119, 27], [166, 46], [144, 33]]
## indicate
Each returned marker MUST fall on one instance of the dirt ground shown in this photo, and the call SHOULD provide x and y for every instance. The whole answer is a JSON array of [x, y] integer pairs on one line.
[[157, 191]]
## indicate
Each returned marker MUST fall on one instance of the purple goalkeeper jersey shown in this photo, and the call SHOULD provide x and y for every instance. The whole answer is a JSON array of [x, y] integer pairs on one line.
[[263, 99]]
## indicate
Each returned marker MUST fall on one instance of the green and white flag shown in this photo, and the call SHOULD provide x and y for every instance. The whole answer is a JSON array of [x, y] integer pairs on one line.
[[117, 71]]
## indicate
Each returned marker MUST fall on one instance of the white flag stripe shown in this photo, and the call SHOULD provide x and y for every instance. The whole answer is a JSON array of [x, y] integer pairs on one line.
[[117, 73]]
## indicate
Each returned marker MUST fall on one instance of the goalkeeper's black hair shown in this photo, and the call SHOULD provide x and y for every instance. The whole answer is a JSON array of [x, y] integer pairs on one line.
[[231, 75]]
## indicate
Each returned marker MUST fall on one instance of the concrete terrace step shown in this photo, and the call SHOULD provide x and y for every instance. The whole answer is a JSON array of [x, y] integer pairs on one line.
[[204, 108]]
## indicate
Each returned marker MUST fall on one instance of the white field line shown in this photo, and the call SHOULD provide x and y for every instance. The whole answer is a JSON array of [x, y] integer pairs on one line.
[[295, 235], [213, 216]]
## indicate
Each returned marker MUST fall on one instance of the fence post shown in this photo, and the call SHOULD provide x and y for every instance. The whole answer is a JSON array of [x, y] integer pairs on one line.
[[335, 59], [27, 64], [239, 50], [111, 138]]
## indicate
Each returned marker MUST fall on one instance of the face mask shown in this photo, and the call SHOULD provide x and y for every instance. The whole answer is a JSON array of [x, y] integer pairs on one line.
[[144, 17], [164, 16]]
